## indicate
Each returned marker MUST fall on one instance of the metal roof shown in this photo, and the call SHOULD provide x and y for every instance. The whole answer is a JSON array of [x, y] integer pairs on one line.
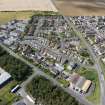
[[4, 76], [86, 85]]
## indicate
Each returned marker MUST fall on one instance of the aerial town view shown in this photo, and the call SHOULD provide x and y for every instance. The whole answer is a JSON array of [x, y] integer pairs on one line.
[[47, 58]]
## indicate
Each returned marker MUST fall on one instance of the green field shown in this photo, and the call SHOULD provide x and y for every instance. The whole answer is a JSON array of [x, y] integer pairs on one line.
[[92, 75], [7, 16], [7, 98]]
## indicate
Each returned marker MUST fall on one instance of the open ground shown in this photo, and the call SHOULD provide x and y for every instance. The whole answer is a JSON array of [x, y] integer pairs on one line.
[[24, 5]]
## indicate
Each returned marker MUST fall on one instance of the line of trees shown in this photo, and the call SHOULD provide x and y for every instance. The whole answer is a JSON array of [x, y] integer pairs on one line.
[[18, 69], [46, 93]]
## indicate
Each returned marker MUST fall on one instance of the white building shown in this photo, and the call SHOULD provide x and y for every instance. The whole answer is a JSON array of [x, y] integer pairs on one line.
[[4, 76]]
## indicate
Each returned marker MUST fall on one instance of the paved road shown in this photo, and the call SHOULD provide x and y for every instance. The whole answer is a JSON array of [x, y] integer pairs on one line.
[[79, 97], [24, 84], [97, 65], [25, 96]]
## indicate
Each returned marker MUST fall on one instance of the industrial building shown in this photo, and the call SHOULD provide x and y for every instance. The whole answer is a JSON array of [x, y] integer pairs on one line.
[[4, 77], [80, 83]]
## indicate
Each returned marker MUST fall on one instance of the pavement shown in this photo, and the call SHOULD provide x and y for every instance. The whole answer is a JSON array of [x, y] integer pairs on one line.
[[28, 100]]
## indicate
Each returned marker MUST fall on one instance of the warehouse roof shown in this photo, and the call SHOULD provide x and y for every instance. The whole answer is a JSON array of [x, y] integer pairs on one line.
[[4, 76], [86, 85]]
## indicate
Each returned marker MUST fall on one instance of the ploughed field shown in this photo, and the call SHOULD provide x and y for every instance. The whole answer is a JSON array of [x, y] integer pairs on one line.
[[23, 5], [81, 7]]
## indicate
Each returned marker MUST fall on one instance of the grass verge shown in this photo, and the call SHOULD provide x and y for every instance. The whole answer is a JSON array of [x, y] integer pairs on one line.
[[6, 97], [8, 16], [103, 67]]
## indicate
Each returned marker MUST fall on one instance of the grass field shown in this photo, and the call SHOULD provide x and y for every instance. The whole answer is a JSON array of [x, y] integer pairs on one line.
[[102, 66], [7, 16], [6, 98], [92, 75]]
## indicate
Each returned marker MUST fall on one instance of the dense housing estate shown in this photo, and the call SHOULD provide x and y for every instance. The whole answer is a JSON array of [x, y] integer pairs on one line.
[[50, 44], [48, 41]]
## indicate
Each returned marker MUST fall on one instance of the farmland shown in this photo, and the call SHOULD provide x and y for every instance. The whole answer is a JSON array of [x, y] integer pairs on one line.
[[80, 7], [8, 16], [26, 5]]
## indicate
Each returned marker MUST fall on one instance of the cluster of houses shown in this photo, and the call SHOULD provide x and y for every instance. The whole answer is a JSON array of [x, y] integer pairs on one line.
[[93, 28], [49, 41], [10, 32], [53, 34]]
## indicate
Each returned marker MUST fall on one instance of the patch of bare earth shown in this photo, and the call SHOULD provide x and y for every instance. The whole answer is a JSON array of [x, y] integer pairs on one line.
[[80, 7]]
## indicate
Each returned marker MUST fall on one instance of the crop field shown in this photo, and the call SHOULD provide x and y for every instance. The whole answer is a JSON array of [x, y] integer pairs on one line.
[[8, 16], [81, 7], [24, 5]]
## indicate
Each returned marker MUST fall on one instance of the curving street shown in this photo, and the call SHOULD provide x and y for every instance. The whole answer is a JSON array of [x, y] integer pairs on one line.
[[96, 60]]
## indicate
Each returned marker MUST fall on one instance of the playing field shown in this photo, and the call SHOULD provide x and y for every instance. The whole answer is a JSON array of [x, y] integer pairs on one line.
[[23, 5]]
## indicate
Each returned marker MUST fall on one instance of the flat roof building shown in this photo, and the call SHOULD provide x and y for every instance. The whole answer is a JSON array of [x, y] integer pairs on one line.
[[4, 76], [80, 83]]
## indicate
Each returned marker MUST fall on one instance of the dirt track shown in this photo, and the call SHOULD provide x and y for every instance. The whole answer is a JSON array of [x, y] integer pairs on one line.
[[80, 7], [21, 5]]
